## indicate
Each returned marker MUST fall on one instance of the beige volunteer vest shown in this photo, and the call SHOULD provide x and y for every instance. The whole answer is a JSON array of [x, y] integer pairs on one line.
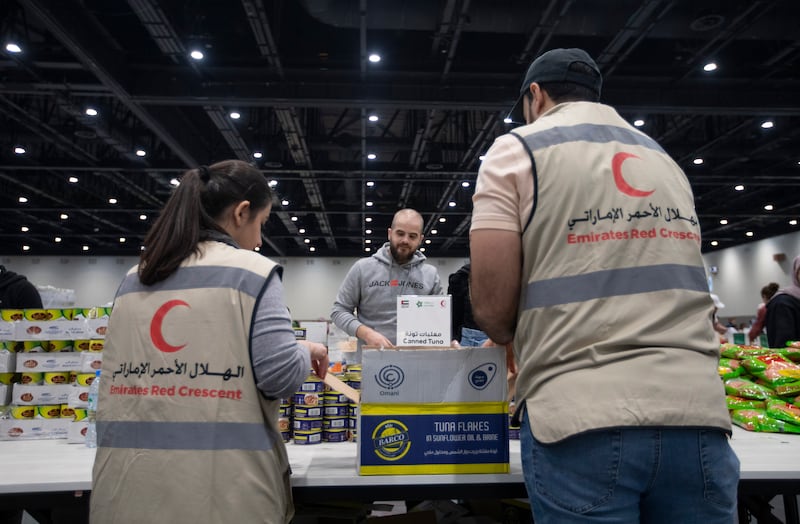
[[184, 436], [614, 325]]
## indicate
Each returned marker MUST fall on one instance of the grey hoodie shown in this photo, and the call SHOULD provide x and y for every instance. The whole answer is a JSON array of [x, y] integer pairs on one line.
[[372, 286]]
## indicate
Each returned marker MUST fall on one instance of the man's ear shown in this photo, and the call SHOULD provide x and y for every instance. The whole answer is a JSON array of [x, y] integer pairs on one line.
[[241, 212]]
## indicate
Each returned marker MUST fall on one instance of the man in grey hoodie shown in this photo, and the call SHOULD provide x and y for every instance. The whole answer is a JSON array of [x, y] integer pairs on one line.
[[373, 284]]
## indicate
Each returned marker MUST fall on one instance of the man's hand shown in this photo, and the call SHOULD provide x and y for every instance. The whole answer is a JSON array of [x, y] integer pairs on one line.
[[372, 337], [319, 357]]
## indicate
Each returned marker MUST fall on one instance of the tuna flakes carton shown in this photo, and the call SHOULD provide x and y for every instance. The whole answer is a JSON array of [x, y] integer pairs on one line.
[[433, 411]]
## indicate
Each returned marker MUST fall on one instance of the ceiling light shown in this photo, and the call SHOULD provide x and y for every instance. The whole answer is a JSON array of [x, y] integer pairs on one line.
[[24, 229], [767, 124], [122, 240], [739, 187], [638, 122], [451, 204], [307, 240], [72, 180], [63, 216], [368, 219], [12, 47], [434, 231], [373, 118], [697, 161], [374, 58], [142, 217], [141, 152], [427, 240], [141, 248], [714, 243], [19, 150], [90, 111], [235, 115], [370, 184], [284, 202], [367, 249], [112, 200], [793, 222], [372, 156], [769, 207], [197, 54], [57, 240], [257, 248], [711, 66], [465, 184], [312, 249], [749, 234], [368, 241], [273, 183], [294, 219], [302, 230], [507, 120], [723, 221], [422, 249], [26, 248], [442, 219], [370, 203], [85, 247], [368, 231], [22, 200], [482, 158], [258, 154], [174, 182]]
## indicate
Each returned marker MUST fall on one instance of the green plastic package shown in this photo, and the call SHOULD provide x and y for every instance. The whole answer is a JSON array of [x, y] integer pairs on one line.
[[759, 420], [741, 387]]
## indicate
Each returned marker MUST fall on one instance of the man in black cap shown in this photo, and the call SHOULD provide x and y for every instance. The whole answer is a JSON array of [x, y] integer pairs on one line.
[[585, 252], [16, 292]]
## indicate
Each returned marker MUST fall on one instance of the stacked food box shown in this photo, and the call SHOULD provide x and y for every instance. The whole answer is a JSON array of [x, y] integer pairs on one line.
[[762, 386], [48, 359]]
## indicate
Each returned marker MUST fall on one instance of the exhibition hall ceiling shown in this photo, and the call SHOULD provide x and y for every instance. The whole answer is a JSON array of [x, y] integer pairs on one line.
[[357, 108]]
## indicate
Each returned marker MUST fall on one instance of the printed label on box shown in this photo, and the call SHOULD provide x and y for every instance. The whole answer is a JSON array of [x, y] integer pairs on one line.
[[28, 362], [423, 320]]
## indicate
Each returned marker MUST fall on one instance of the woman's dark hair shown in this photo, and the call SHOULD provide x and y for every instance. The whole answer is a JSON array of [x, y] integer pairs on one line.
[[192, 211], [769, 290]]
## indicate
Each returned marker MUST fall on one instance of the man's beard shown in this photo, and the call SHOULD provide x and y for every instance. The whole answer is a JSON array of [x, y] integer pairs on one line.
[[396, 255]]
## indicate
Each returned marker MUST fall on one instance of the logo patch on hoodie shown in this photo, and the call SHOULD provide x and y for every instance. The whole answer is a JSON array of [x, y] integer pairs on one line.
[[408, 284]]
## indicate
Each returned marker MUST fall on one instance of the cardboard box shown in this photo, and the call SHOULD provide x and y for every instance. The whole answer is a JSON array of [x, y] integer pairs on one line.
[[91, 361], [36, 429], [25, 395], [423, 321], [49, 330], [8, 362], [433, 411], [78, 397], [76, 431], [5, 394], [39, 362], [7, 330]]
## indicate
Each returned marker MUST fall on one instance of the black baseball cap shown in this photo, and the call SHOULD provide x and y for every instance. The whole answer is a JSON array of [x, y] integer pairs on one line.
[[554, 66]]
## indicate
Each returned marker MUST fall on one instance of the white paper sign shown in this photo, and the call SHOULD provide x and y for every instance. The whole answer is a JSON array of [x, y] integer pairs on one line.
[[423, 320]]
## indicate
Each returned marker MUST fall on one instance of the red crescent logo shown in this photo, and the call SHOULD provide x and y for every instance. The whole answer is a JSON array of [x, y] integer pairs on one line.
[[622, 184], [443, 303], [155, 326]]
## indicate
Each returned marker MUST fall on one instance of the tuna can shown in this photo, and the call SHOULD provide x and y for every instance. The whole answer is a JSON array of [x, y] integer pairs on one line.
[[23, 412], [334, 397], [67, 411], [352, 435], [85, 379], [312, 385], [335, 423], [286, 436], [353, 409], [32, 379], [307, 411], [307, 437], [284, 424], [56, 346], [513, 434], [334, 435], [352, 422], [307, 399], [56, 377], [285, 411], [307, 424], [354, 368], [354, 380], [336, 410], [82, 345]]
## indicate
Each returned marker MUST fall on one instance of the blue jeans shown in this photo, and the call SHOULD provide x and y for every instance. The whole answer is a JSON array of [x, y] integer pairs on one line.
[[472, 337], [629, 475]]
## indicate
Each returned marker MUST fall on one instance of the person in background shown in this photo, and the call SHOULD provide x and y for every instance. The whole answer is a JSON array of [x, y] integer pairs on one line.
[[623, 414], [190, 435], [767, 292], [16, 292], [783, 312], [719, 327], [373, 284], [464, 329]]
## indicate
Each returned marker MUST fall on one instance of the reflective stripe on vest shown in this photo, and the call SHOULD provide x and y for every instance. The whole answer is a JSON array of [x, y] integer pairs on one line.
[[198, 277], [184, 435], [597, 133], [614, 282]]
